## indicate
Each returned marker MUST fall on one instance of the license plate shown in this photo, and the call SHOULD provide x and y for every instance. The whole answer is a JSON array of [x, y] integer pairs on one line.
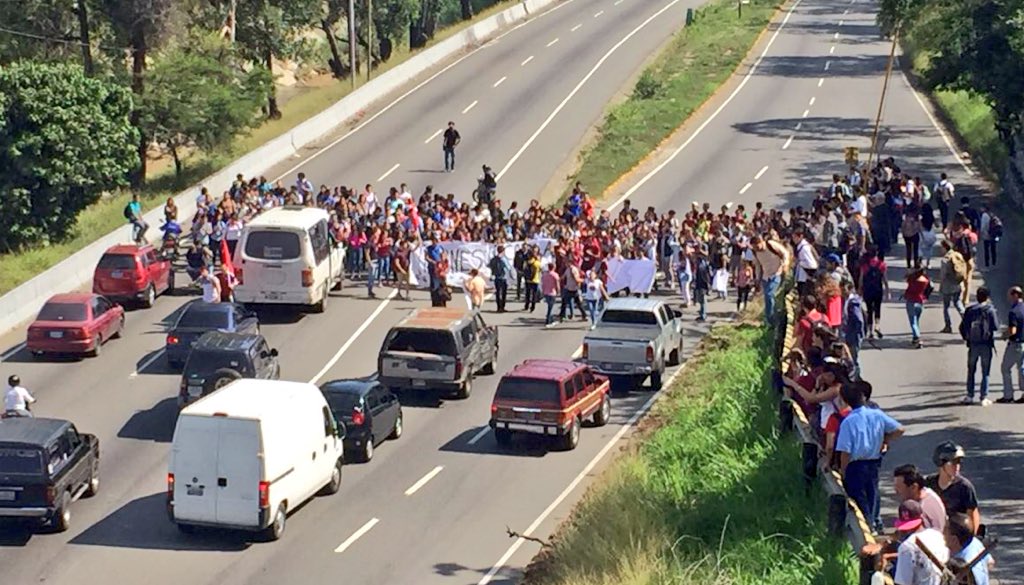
[[56, 334], [273, 296], [419, 383], [526, 415], [116, 274], [6, 496], [195, 391], [194, 490]]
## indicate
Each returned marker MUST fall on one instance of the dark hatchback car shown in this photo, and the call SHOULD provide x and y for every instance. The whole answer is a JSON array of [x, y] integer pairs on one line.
[[370, 412], [219, 358], [45, 465], [199, 317]]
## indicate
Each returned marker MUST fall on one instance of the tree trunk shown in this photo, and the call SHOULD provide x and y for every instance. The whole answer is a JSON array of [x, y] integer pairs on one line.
[[336, 65], [273, 112], [429, 24], [467, 9], [83, 35], [177, 160], [138, 43]]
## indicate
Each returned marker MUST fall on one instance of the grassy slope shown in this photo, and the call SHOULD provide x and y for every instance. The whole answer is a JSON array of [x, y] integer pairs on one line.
[[688, 71], [712, 495]]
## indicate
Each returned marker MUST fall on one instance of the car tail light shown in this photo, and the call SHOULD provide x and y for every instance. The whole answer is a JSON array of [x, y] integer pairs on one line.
[[51, 495], [264, 494], [238, 275], [586, 351], [79, 333], [170, 486], [494, 409], [458, 369], [172, 340], [650, 354], [358, 417], [307, 277]]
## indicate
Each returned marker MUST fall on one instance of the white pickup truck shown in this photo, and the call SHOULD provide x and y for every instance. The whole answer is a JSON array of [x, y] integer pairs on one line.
[[635, 339]]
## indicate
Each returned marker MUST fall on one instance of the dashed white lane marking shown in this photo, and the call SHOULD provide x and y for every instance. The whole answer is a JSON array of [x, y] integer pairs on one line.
[[423, 480], [12, 351], [811, 103], [827, 65], [806, 113], [836, 36], [389, 171], [760, 173], [788, 142], [357, 535], [799, 125], [553, 41], [832, 50], [471, 106], [500, 81], [527, 60], [842, 22], [433, 136], [142, 367], [617, 2], [845, 12], [575, 28], [480, 434], [821, 81], [599, 13], [745, 187], [348, 343]]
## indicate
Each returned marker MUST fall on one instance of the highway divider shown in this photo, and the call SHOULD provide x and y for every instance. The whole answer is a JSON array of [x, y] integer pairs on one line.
[[75, 272]]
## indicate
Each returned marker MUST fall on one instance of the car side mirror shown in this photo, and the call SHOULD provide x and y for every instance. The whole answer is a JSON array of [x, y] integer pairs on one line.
[[273, 352], [677, 313]]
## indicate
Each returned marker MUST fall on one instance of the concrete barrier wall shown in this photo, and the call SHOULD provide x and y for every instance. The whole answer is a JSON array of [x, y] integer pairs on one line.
[[75, 272]]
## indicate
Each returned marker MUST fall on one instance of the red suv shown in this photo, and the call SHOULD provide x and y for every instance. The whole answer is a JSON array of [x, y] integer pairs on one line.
[[549, 397], [133, 273]]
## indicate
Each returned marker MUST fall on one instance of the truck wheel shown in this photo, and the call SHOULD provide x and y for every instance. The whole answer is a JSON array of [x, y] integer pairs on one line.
[[503, 437], [334, 485], [94, 481], [222, 378], [150, 298], [62, 516], [656, 380], [571, 438], [466, 388], [604, 413], [276, 529], [321, 306]]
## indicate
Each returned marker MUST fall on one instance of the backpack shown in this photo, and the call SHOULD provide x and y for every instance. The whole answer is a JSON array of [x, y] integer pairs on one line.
[[995, 227], [964, 246], [980, 331], [959, 267], [129, 214], [872, 281]]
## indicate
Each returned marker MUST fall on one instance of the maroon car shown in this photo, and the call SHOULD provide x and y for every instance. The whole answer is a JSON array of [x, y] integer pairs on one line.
[[133, 273], [76, 323]]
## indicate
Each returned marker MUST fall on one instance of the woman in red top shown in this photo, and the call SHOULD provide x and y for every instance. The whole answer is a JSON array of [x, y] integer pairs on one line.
[[915, 296], [831, 298]]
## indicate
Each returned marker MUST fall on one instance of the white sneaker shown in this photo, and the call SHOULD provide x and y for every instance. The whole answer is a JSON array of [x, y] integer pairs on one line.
[[986, 402], [968, 400]]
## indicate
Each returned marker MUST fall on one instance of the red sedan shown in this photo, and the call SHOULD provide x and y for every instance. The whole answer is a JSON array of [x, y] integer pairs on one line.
[[76, 323]]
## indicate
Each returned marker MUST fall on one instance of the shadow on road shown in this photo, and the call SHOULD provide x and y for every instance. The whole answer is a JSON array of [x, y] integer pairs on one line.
[[155, 424]]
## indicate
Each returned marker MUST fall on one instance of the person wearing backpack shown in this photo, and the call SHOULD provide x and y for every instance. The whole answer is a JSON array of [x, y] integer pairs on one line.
[[952, 273], [964, 239], [873, 287], [945, 191], [991, 232], [978, 329], [133, 213]]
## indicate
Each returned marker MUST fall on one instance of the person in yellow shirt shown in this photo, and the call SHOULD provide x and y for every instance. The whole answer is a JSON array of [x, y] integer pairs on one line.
[[533, 273]]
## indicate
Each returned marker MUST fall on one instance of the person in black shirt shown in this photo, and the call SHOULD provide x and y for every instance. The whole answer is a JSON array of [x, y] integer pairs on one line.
[[957, 492], [451, 140]]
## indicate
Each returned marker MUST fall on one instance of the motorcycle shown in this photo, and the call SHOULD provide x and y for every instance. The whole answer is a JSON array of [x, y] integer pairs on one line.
[[483, 194], [27, 413], [172, 234]]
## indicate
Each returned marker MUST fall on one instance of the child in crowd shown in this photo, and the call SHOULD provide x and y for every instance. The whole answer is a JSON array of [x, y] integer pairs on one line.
[[720, 283]]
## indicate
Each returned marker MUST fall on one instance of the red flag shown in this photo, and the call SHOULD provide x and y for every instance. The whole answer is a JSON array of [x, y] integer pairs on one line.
[[225, 259]]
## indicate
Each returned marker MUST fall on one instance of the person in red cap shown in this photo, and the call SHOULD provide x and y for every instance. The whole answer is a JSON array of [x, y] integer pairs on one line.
[[923, 552]]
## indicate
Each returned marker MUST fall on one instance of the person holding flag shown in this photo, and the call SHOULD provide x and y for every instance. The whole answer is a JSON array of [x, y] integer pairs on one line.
[[226, 276]]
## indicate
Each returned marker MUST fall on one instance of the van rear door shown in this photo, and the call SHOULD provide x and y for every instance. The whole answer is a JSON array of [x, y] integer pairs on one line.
[[194, 465], [238, 473], [272, 262]]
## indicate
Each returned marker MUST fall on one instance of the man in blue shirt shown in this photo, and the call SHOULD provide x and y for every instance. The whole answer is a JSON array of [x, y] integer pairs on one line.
[[965, 549], [1013, 357], [862, 437]]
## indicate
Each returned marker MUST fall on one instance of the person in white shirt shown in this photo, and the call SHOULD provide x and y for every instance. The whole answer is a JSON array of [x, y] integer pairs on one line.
[[913, 565], [210, 285], [806, 262], [304, 186], [944, 192], [406, 197], [371, 200], [17, 398]]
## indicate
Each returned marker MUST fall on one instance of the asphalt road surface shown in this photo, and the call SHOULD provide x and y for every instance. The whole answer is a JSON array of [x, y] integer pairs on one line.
[[521, 103]]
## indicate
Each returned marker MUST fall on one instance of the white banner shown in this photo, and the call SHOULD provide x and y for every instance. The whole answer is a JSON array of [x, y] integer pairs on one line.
[[636, 275], [465, 256]]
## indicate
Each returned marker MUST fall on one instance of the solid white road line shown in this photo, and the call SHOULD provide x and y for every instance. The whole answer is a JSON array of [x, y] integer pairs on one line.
[[760, 173], [579, 478], [827, 65], [745, 187], [599, 13], [832, 50], [788, 142], [806, 113], [433, 136], [391, 170], [142, 367], [480, 434], [938, 127], [348, 343], [811, 103], [527, 60], [553, 42], [396, 101], [500, 81], [471, 106], [714, 114], [12, 351], [579, 85], [423, 480], [821, 81], [357, 535], [575, 28]]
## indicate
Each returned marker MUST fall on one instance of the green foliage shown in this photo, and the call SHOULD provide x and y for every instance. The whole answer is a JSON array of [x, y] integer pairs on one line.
[[49, 18], [198, 95], [64, 140], [647, 86]]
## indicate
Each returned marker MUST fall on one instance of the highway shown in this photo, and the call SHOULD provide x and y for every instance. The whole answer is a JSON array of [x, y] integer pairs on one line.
[[433, 506]]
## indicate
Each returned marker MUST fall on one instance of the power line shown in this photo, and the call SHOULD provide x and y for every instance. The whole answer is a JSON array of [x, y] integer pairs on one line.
[[74, 42]]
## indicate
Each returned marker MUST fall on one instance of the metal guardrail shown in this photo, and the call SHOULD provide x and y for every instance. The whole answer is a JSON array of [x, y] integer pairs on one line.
[[844, 516]]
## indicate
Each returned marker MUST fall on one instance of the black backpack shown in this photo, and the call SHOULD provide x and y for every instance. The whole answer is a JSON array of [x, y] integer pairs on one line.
[[128, 213], [872, 281]]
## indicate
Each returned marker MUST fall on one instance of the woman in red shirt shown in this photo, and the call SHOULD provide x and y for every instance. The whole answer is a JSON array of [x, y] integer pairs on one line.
[[918, 286]]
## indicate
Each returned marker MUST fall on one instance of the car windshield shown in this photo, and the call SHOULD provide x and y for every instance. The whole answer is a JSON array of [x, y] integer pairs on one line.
[[20, 462], [62, 312], [273, 245], [117, 262], [439, 342], [206, 362], [342, 403], [205, 316], [529, 390], [629, 317]]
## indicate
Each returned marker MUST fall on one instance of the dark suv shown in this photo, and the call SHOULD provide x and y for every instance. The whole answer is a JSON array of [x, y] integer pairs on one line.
[[219, 358], [45, 465]]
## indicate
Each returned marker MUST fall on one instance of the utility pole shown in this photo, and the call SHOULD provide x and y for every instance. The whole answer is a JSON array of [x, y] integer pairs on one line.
[[881, 101], [369, 39], [352, 41], [232, 20]]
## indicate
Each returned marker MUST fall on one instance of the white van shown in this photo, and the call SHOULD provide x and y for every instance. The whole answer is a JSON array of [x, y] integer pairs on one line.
[[288, 256], [241, 456]]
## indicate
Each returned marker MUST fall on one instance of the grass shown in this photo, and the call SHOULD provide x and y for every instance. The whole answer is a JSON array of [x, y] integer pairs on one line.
[[711, 495], [681, 78], [100, 219]]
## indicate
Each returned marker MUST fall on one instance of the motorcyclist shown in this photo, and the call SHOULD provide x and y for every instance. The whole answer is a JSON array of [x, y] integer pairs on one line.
[[488, 185], [17, 399]]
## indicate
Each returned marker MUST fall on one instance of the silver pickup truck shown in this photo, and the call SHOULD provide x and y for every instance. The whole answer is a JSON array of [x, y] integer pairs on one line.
[[634, 339]]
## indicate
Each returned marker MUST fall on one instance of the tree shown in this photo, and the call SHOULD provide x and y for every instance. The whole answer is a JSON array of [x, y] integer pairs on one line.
[[52, 30], [467, 9], [64, 139], [335, 9], [198, 95]]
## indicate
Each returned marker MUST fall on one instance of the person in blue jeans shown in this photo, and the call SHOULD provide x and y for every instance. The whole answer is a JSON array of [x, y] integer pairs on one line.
[[770, 258], [702, 282], [978, 329], [915, 297]]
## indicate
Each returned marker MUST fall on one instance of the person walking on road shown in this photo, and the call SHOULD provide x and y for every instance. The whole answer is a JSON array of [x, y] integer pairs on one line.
[[571, 279], [450, 141], [964, 240], [595, 294], [500, 270], [957, 492], [771, 259], [702, 282], [1013, 355], [944, 190], [873, 287], [991, 232], [550, 287], [531, 272], [862, 436], [476, 288], [952, 273], [918, 287], [978, 329]]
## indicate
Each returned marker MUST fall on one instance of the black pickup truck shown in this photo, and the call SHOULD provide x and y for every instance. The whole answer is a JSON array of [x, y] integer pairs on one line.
[[45, 465]]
